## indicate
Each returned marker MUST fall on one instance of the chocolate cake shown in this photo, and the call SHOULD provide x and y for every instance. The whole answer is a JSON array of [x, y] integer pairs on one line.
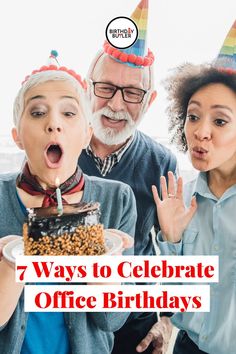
[[76, 232]]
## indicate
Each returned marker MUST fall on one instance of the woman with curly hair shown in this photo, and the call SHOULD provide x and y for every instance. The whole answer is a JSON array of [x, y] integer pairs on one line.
[[199, 219]]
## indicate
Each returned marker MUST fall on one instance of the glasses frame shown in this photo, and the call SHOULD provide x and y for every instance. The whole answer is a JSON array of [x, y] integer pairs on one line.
[[117, 88]]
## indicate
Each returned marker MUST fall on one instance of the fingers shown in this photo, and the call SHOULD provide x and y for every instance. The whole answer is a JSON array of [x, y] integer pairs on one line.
[[143, 345], [171, 183], [159, 335], [159, 349], [154, 336], [155, 195], [164, 192], [171, 190], [179, 190]]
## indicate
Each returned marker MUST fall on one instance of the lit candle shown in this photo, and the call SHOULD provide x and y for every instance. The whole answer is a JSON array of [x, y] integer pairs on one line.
[[59, 199]]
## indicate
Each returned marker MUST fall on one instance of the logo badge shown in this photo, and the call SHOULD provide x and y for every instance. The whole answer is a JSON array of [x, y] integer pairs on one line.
[[121, 32]]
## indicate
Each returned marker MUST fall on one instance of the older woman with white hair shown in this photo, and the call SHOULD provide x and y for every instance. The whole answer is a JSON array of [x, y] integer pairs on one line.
[[51, 119]]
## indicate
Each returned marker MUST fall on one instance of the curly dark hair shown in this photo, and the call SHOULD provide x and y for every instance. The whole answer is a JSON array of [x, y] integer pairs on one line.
[[182, 84]]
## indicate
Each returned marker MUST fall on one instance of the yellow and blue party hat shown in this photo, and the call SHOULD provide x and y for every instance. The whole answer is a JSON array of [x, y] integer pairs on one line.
[[226, 58]]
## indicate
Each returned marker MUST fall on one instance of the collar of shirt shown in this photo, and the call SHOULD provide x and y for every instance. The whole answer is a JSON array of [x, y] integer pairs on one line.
[[201, 187], [111, 160]]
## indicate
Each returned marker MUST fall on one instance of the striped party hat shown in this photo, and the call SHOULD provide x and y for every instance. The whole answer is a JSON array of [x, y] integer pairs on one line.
[[226, 58], [137, 55]]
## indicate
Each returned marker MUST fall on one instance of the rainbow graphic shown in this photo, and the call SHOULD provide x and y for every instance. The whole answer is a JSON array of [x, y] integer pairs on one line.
[[227, 54], [140, 17], [138, 55]]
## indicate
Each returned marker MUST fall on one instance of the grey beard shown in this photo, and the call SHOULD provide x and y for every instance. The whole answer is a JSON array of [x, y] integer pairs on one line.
[[110, 136]]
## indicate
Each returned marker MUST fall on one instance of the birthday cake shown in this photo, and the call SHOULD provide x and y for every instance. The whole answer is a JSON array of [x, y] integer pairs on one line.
[[76, 232]]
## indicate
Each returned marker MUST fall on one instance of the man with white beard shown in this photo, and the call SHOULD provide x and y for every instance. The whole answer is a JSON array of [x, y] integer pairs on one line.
[[121, 91]]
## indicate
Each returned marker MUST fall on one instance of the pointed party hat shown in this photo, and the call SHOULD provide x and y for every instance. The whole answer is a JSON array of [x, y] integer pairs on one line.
[[227, 56], [137, 55], [53, 65], [52, 60]]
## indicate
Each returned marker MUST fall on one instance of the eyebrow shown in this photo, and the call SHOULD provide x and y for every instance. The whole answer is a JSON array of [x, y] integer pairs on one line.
[[195, 102], [110, 83], [35, 98], [44, 98], [214, 106], [222, 106]]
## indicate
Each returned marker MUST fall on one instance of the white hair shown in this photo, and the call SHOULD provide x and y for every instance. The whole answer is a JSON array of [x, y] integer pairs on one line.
[[45, 76], [148, 76]]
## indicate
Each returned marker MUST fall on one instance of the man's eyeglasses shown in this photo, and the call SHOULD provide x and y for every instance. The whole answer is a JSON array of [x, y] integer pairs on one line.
[[129, 94]]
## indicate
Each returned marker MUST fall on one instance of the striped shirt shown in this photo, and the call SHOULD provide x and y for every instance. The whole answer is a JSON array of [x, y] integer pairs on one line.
[[105, 165]]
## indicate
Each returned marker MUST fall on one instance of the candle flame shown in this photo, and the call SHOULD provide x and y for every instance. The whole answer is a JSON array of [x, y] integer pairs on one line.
[[57, 182]]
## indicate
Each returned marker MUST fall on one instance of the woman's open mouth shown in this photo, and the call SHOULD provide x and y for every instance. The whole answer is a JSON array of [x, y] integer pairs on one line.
[[199, 152], [53, 155]]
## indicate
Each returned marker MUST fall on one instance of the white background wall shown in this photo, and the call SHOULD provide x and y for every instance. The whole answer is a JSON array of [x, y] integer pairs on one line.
[[179, 31]]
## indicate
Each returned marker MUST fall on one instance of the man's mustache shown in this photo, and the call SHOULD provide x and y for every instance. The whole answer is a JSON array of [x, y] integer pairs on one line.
[[120, 115]]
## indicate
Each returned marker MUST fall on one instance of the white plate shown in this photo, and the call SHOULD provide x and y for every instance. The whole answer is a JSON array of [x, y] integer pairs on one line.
[[11, 250], [113, 243]]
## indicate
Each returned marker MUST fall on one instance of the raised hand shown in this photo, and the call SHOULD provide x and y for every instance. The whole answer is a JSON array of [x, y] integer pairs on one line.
[[172, 214], [159, 335]]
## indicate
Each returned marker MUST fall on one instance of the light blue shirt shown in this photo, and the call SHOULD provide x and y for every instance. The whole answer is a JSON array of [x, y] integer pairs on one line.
[[212, 231]]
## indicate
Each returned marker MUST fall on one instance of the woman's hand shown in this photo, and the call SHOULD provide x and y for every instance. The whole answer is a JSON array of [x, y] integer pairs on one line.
[[172, 214]]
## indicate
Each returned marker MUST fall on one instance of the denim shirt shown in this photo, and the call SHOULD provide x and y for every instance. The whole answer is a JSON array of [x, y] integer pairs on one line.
[[212, 231]]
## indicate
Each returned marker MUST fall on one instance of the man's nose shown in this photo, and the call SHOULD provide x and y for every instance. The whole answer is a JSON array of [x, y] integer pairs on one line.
[[116, 103]]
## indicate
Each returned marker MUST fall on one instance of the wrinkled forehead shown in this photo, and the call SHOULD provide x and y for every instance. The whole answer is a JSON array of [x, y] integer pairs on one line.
[[109, 70]]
